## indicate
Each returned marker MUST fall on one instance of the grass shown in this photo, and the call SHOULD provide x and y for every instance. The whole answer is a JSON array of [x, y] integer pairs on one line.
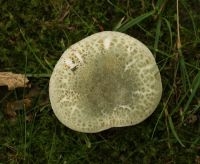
[[33, 35]]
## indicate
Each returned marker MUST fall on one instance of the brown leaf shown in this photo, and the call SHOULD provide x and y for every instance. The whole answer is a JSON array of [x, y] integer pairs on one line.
[[191, 119], [197, 160], [13, 80], [33, 92], [14, 106]]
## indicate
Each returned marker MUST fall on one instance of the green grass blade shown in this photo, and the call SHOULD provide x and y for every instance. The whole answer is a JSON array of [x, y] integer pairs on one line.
[[195, 86], [118, 25], [158, 28], [135, 21], [184, 72], [155, 127], [174, 131], [192, 19], [36, 57], [170, 32], [161, 114], [116, 7]]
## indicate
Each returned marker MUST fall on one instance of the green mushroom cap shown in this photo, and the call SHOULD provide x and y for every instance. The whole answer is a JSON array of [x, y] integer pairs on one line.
[[108, 79]]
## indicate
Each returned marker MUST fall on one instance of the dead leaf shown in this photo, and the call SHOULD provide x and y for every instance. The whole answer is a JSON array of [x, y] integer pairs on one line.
[[12, 107], [191, 119], [13, 80], [34, 91], [197, 160]]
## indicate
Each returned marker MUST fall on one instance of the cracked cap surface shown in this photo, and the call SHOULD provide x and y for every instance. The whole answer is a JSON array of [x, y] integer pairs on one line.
[[108, 79]]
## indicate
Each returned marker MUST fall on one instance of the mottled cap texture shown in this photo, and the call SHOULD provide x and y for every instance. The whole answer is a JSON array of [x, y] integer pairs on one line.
[[108, 79]]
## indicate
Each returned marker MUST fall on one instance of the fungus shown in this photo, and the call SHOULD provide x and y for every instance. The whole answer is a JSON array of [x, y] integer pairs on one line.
[[106, 80]]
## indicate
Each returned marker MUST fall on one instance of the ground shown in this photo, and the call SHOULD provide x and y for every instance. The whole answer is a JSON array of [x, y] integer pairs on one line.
[[34, 34]]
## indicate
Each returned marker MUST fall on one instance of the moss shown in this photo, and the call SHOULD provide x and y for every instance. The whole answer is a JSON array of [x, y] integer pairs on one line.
[[34, 30]]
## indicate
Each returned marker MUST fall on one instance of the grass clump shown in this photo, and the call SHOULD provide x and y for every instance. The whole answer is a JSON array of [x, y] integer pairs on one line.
[[33, 35]]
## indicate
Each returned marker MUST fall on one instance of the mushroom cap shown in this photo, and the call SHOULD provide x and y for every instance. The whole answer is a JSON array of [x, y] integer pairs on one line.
[[108, 79]]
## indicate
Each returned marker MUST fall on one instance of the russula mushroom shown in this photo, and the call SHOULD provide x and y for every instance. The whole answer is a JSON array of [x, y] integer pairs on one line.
[[108, 79]]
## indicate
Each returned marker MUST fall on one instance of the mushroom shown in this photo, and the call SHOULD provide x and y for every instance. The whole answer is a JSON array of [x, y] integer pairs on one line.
[[108, 79]]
